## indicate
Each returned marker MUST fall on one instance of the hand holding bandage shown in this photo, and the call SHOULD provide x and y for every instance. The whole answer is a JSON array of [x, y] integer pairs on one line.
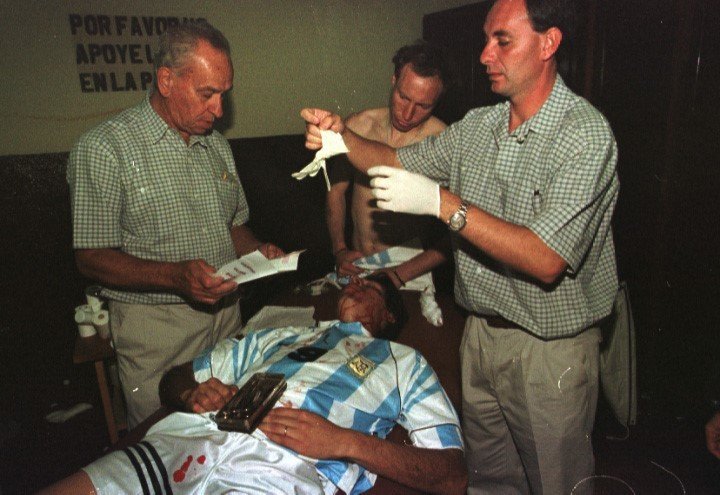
[[332, 144], [405, 192]]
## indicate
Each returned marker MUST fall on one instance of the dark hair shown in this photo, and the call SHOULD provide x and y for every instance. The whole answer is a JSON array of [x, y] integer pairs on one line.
[[393, 303], [561, 14], [427, 60], [178, 42], [545, 14]]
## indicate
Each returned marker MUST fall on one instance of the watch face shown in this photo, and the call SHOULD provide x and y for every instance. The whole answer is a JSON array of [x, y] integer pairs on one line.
[[457, 221]]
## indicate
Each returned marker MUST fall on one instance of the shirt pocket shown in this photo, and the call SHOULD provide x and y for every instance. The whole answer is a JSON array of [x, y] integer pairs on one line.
[[524, 202], [526, 199]]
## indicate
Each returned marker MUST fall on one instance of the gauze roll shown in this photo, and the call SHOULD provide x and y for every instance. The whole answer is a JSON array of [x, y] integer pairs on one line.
[[101, 321], [83, 317], [92, 294]]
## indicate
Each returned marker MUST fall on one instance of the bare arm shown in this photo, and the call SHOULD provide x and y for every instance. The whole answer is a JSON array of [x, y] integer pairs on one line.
[[364, 153], [180, 391], [335, 212], [439, 471], [193, 279], [511, 244], [432, 257]]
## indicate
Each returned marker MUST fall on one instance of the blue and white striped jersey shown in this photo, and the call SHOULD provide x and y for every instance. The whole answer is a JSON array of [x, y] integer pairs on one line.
[[361, 382]]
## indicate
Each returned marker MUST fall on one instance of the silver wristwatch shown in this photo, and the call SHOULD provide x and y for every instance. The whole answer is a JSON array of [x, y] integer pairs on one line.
[[458, 219]]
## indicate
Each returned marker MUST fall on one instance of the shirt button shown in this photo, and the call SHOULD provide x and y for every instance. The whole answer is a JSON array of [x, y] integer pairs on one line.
[[142, 190], [521, 139]]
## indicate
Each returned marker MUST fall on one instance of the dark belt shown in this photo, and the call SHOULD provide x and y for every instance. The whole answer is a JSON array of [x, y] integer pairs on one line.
[[497, 321]]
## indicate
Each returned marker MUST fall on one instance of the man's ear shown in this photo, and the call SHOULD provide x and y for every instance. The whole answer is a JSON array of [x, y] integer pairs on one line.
[[551, 42], [165, 80], [389, 317]]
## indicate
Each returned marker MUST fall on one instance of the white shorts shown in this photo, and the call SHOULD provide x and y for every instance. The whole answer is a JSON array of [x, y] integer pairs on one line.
[[186, 453]]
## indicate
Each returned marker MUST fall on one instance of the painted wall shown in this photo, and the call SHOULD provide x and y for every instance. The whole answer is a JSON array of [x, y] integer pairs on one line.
[[287, 54]]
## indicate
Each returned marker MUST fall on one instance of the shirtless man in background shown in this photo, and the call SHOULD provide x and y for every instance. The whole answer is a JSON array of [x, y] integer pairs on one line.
[[418, 82]]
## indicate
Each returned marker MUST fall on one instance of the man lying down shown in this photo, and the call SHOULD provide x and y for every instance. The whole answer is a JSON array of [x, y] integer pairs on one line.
[[327, 430]]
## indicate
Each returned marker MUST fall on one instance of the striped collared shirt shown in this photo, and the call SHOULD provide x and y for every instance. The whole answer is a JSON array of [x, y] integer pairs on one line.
[[137, 186], [556, 175]]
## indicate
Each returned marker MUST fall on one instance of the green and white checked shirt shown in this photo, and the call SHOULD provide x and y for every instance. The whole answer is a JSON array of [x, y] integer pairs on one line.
[[136, 185], [554, 174]]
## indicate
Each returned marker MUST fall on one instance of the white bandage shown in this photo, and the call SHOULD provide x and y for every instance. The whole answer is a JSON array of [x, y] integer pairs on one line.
[[332, 144], [429, 307]]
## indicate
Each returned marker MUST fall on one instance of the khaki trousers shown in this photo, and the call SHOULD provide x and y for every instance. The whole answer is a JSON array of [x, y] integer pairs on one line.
[[528, 410], [151, 339]]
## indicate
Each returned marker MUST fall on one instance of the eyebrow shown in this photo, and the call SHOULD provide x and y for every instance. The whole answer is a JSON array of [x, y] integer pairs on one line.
[[214, 89], [419, 102], [500, 32]]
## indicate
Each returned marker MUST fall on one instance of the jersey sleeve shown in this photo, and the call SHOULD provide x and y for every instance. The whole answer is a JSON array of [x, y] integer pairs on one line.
[[427, 413]]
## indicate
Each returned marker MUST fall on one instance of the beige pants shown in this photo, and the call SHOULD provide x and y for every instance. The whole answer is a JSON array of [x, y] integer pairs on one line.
[[528, 410], [150, 339]]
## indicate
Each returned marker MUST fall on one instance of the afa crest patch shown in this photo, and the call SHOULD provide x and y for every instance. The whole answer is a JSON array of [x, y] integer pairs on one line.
[[360, 366]]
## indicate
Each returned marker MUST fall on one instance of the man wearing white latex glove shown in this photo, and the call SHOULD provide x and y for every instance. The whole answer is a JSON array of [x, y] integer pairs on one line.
[[404, 192], [528, 188]]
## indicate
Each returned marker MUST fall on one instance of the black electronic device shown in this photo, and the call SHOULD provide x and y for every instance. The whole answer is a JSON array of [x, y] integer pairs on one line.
[[251, 403]]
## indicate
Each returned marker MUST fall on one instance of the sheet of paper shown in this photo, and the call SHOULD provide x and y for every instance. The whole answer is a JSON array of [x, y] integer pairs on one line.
[[254, 265]]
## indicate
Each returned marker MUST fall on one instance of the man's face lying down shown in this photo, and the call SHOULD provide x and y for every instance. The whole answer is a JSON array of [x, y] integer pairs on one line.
[[364, 301]]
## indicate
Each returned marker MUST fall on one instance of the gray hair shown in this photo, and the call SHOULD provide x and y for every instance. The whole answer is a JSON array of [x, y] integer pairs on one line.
[[178, 42]]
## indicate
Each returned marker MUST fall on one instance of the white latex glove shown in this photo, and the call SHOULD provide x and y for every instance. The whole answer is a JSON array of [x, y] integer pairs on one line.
[[398, 190]]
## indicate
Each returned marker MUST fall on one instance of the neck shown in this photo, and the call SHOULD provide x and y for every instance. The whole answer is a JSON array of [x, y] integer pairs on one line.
[[527, 103], [396, 138], [157, 102]]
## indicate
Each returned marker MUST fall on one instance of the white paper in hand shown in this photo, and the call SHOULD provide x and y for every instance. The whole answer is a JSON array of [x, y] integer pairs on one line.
[[332, 144], [255, 265]]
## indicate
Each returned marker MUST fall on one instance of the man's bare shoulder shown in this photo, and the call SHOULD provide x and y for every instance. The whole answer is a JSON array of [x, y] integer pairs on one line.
[[432, 126], [369, 123]]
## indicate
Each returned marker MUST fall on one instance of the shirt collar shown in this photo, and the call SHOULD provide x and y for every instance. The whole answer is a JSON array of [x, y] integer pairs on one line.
[[158, 128], [353, 328], [545, 121], [550, 115]]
